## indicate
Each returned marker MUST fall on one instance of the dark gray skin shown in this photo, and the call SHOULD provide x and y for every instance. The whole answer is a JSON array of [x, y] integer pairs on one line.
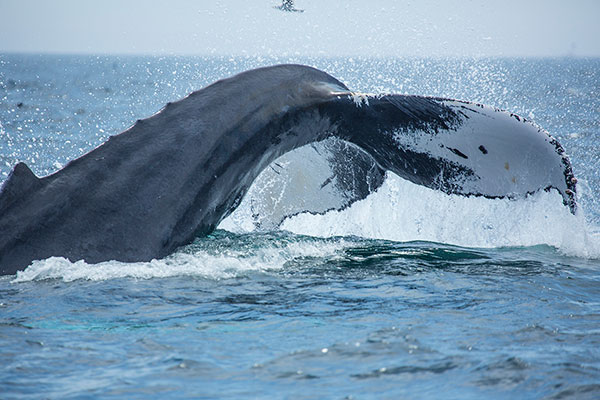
[[175, 175]]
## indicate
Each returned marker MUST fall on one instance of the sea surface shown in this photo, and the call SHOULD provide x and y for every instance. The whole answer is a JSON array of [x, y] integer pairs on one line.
[[409, 293]]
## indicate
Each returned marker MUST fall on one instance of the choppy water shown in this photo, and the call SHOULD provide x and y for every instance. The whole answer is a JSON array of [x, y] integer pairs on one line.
[[470, 298]]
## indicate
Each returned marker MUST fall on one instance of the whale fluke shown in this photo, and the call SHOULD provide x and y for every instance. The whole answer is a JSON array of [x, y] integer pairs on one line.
[[177, 174]]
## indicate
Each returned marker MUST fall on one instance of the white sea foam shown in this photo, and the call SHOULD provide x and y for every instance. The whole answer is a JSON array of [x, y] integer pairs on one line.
[[222, 264]]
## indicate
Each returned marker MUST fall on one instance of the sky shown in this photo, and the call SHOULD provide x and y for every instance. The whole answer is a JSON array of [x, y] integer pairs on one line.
[[384, 28]]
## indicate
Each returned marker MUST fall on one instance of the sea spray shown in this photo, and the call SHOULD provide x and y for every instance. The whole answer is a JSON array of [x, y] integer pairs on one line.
[[403, 211]]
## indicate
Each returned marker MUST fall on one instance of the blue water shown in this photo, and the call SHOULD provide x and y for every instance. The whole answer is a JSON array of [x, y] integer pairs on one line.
[[284, 315]]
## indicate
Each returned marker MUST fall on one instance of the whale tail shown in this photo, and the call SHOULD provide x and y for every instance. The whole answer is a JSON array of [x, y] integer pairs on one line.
[[455, 146], [177, 174]]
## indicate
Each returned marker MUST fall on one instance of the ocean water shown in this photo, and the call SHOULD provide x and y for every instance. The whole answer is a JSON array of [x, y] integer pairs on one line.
[[409, 293]]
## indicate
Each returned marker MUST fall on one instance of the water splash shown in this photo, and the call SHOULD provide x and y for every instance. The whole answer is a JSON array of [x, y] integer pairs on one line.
[[221, 256], [403, 211]]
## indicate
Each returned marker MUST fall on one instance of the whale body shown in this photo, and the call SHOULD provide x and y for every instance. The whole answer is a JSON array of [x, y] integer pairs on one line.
[[177, 174]]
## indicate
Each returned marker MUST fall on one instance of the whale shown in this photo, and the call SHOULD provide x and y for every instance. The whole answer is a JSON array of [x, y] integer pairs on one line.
[[174, 176]]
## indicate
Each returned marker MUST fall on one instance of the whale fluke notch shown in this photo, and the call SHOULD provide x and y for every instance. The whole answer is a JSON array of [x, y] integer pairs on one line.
[[177, 174]]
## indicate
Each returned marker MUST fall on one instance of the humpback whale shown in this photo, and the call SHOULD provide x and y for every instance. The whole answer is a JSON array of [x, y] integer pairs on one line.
[[175, 175]]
